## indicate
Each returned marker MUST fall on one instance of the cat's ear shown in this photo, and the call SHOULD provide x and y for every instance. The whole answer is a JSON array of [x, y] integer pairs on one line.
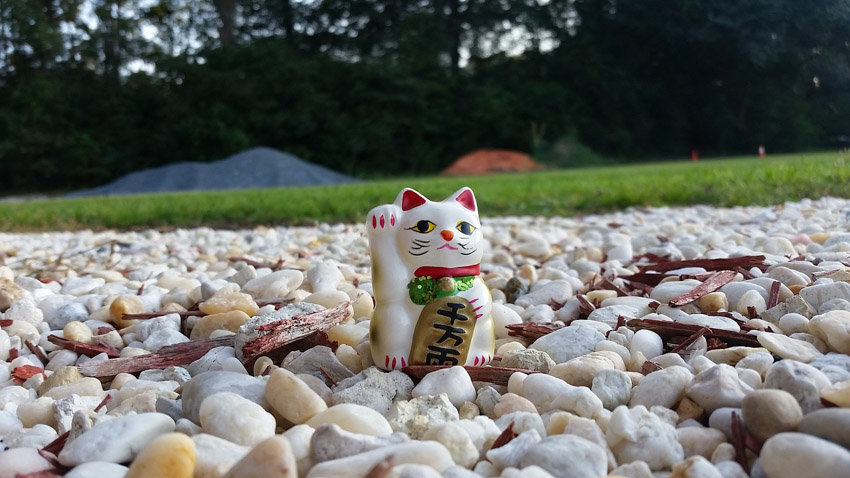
[[466, 199], [408, 199]]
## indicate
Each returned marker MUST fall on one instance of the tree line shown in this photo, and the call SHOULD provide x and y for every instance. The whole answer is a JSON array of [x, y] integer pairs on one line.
[[93, 89]]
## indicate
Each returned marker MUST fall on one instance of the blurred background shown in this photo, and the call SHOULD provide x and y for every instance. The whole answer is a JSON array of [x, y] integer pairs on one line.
[[91, 90]]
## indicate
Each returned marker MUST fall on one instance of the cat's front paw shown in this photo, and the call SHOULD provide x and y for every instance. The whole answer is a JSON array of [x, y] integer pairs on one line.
[[384, 217], [394, 362]]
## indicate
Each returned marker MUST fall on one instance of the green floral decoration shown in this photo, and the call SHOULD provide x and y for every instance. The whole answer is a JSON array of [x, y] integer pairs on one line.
[[424, 289]]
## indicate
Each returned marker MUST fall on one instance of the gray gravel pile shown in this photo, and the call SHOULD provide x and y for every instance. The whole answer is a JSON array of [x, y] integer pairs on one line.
[[254, 168]]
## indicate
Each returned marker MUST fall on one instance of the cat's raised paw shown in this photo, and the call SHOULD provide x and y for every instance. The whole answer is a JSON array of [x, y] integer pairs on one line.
[[383, 217], [394, 362]]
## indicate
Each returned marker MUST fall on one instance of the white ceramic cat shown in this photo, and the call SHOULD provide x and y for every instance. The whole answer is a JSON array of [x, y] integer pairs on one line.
[[415, 242]]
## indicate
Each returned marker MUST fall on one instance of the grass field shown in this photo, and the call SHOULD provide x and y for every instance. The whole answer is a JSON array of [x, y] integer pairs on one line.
[[722, 182]]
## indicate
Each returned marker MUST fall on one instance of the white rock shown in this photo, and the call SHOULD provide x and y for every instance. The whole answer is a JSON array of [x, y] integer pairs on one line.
[[802, 381], [330, 442], [717, 387], [789, 454], [833, 328], [662, 388], [557, 291], [569, 342], [277, 284], [512, 453], [613, 387], [502, 317], [417, 415], [453, 381], [117, 440], [610, 315], [459, 444], [817, 295], [353, 418], [567, 456], [25, 310], [648, 343], [788, 348], [427, 453], [324, 276], [637, 434], [214, 456], [98, 469], [236, 419], [20, 461]]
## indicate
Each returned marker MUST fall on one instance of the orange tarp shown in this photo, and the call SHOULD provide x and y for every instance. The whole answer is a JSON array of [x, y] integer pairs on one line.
[[485, 161]]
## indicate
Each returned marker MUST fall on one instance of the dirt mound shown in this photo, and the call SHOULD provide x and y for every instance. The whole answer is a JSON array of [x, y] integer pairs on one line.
[[488, 161]]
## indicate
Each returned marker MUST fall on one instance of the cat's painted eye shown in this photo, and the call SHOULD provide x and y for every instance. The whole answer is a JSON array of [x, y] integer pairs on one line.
[[465, 227], [424, 226]]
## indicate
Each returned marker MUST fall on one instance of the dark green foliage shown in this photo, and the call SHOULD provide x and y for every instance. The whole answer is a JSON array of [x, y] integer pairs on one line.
[[377, 88]]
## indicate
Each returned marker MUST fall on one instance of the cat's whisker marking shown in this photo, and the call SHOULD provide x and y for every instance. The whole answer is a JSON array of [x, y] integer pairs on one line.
[[420, 254]]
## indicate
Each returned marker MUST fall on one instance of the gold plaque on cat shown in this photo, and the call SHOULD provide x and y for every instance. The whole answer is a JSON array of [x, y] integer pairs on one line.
[[443, 332]]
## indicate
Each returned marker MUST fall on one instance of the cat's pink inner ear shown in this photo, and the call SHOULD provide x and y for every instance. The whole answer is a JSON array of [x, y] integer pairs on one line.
[[411, 199], [467, 200]]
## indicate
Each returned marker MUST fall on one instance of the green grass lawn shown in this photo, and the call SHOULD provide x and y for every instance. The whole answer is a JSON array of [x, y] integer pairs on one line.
[[722, 182]]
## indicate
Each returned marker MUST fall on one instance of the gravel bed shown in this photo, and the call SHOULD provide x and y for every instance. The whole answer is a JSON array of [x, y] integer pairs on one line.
[[746, 374]]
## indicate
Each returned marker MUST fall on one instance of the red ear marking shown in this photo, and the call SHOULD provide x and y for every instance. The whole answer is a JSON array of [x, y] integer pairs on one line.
[[411, 199], [467, 200]]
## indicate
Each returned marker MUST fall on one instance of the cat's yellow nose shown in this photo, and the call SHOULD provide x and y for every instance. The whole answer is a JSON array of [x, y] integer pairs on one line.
[[447, 235]]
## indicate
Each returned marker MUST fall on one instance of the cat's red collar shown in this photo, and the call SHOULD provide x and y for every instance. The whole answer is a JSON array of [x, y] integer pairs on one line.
[[438, 272]]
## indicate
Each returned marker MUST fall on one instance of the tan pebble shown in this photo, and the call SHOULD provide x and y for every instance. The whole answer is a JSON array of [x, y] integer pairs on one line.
[[173, 307], [688, 408], [349, 357], [515, 382], [271, 458], [101, 314], [837, 393], [171, 455], [76, 330], [125, 304], [111, 338], [353, 418], [348, 334], [226, 300], [293, 399], [298, 295], [227, 321], [512, 402], [328, 299], [796, 288], [362, 302], [528, 272], [261, 364], [581, 370], [833, 328], [508, 346], [558, 421], [62, 376], [819, 237], [87, 386], [120, 380], [713, 302], [597, 296], [9, 293], [468, 411], [39, 411]]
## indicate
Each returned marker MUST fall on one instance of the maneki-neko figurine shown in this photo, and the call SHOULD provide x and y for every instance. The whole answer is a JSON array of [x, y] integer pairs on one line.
[[431, 305]]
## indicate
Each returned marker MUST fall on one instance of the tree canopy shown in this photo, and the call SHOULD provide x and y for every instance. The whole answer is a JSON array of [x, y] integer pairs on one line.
[[93, 89]]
